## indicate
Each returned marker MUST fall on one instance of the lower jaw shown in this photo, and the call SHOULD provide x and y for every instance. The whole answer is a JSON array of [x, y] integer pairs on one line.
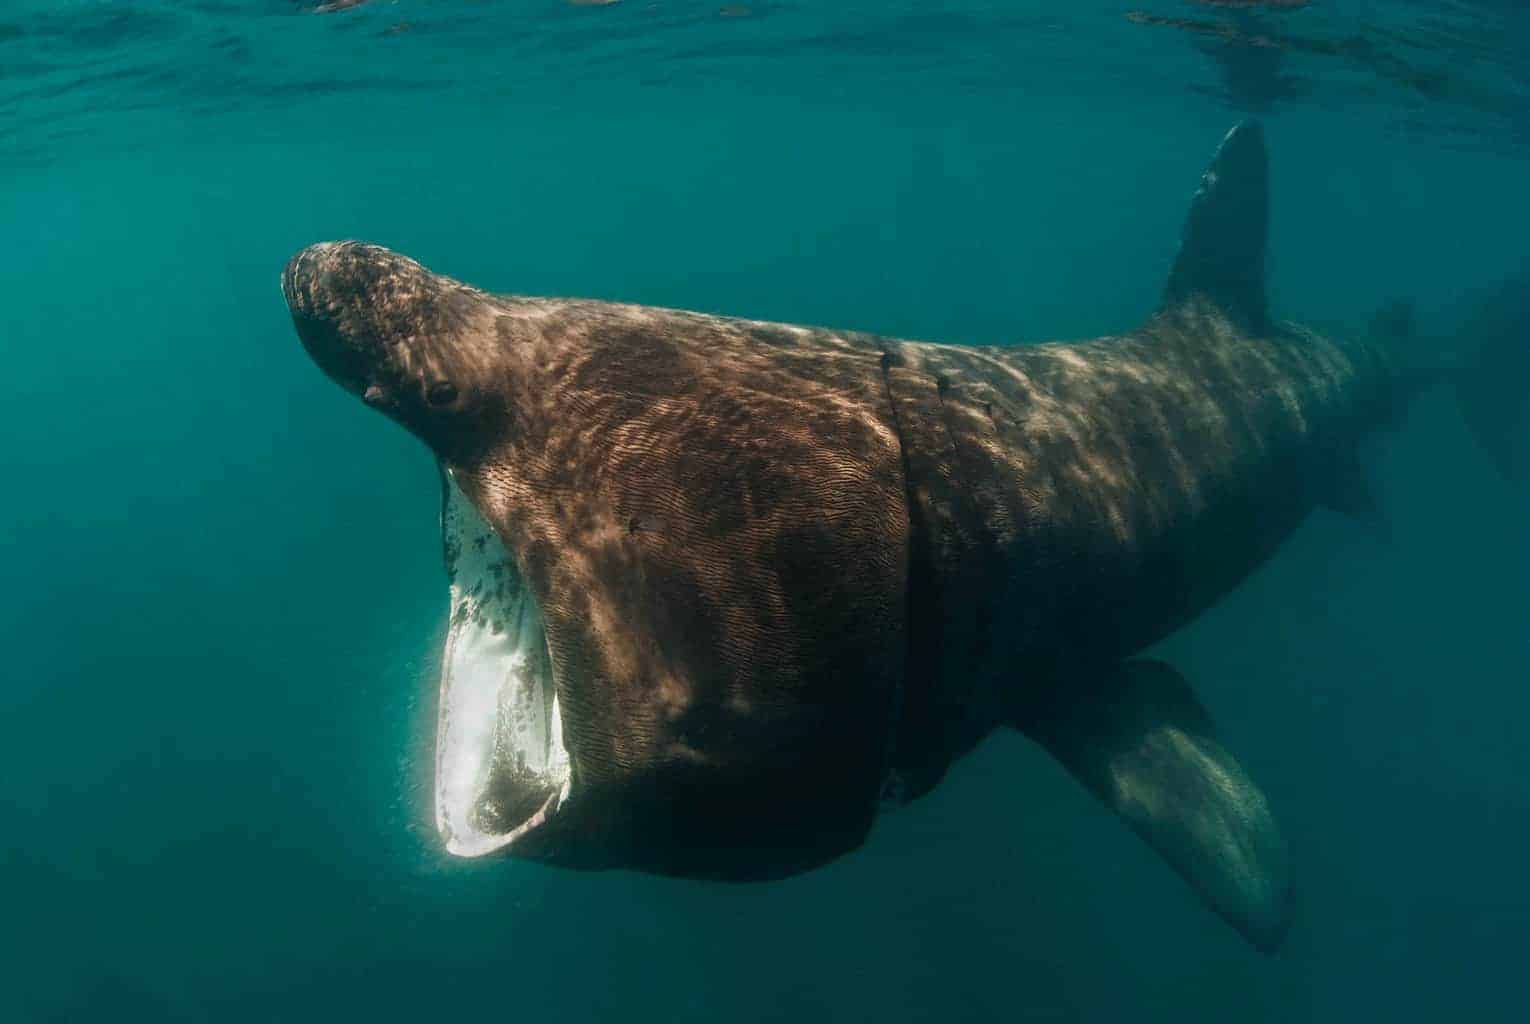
[[501, 767]]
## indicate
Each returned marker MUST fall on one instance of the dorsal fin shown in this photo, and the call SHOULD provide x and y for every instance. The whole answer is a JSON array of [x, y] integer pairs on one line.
[[1221, 257]]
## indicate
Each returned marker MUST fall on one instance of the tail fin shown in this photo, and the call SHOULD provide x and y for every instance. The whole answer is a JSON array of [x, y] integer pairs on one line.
[[1221, 257], [1493, 385]]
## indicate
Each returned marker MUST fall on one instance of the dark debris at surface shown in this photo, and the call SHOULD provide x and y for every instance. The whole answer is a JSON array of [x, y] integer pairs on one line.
[[1455, 57]]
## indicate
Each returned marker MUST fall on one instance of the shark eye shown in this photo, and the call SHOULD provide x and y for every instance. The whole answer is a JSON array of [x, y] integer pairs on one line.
[[440, 392]]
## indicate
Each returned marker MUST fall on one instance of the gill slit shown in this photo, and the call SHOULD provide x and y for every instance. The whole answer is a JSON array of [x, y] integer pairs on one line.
[[917, 593]]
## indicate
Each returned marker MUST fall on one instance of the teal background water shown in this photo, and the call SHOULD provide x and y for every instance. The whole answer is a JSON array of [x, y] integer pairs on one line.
[[223, 585]]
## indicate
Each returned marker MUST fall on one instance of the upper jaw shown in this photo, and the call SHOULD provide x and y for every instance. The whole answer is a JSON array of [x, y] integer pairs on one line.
[[320, 287]]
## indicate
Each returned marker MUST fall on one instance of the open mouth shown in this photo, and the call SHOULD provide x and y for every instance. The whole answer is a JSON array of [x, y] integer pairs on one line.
[[501, 767]]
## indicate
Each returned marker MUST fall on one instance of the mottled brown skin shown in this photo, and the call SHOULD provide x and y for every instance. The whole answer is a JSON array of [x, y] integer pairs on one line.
[[758, 548], [1078, 502], [787, 575], [711, 515]]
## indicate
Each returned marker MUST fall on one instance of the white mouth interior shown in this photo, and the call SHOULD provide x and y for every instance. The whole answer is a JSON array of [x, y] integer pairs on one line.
[[501, 768]]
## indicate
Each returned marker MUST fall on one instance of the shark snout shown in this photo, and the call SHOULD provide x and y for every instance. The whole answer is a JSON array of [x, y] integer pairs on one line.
[[331, 280], [325, 289], [305, 279], [366, 314]]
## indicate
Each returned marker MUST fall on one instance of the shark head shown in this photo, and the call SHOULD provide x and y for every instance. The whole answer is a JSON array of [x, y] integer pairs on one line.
[[414, 345], [676, 553]]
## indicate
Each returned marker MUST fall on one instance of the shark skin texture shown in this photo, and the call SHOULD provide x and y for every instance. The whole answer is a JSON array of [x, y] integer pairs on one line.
[[724, 589]]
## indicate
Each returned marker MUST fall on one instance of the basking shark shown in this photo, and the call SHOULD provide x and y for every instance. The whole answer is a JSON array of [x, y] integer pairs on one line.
[[722, 589]]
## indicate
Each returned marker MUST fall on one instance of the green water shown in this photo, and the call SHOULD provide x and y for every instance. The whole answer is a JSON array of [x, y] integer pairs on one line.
[[224, 593]]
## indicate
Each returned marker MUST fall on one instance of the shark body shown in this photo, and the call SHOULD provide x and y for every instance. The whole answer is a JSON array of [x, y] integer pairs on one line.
[[723, 589]]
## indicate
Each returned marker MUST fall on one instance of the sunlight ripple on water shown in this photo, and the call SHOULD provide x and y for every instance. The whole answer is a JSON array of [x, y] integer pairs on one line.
[[1448, 71]]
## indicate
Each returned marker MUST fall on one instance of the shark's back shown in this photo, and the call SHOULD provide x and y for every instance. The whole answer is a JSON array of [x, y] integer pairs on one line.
[[1115, 488]]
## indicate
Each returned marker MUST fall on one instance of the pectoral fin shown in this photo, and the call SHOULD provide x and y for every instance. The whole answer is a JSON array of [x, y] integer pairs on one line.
[[1142, 743], [1344, 487]]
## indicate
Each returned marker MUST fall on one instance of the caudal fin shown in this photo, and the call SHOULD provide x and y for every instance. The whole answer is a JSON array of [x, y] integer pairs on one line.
[[1493, 384]]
